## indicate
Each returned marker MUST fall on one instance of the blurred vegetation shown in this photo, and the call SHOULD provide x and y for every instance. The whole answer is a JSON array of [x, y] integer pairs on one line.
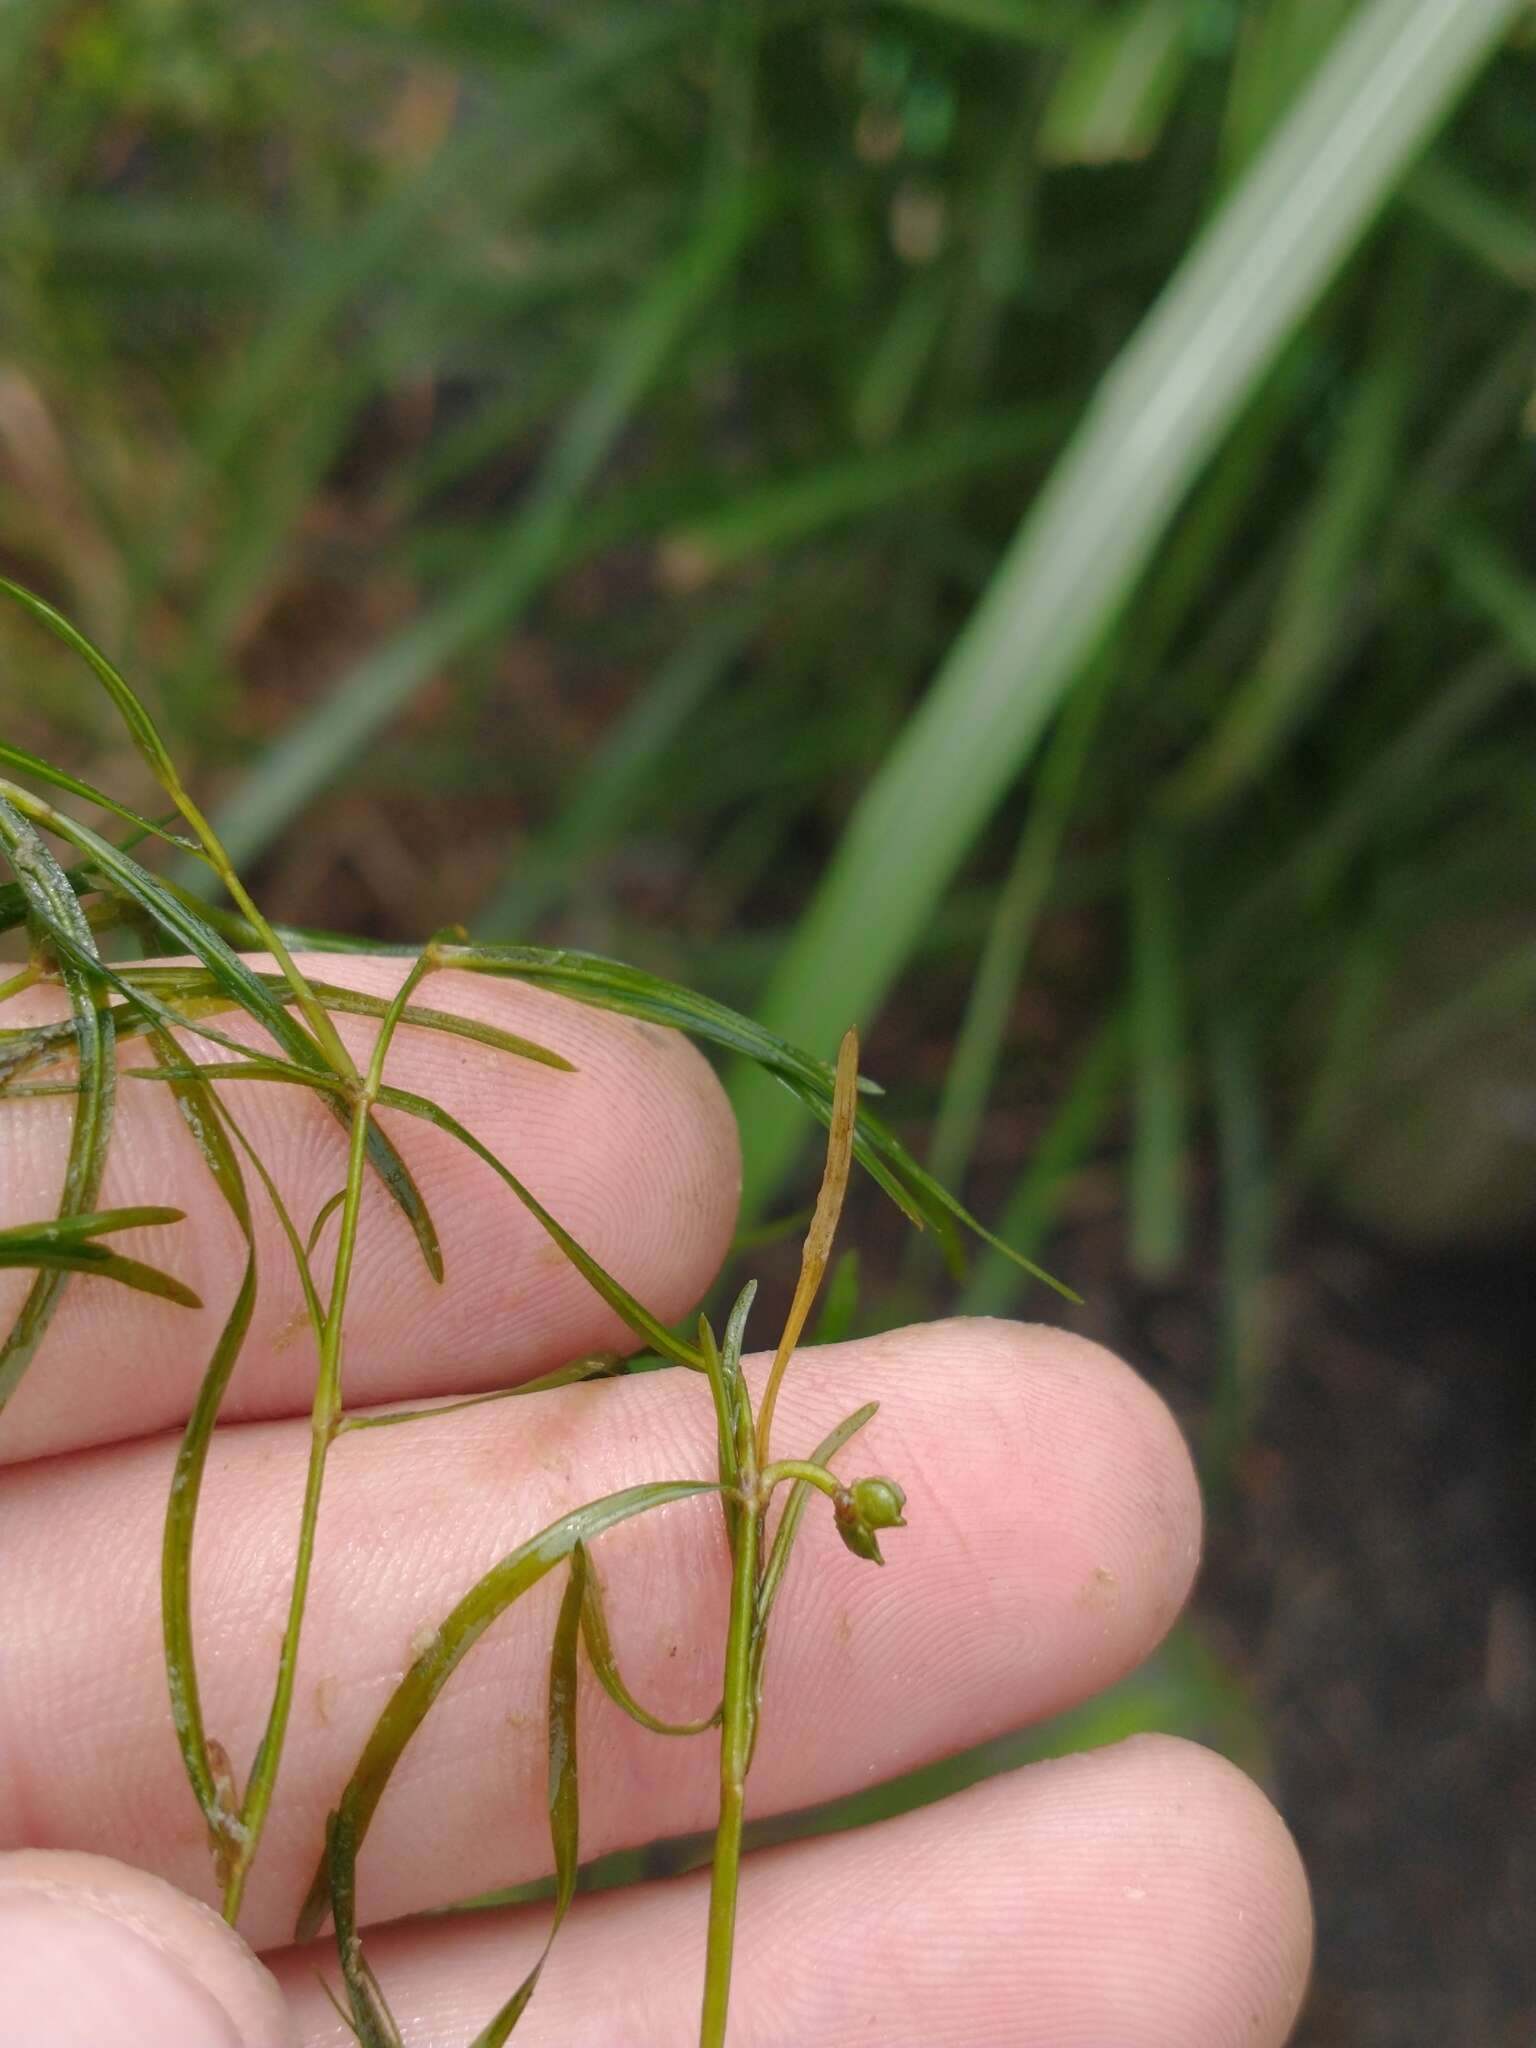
[[575, 437]]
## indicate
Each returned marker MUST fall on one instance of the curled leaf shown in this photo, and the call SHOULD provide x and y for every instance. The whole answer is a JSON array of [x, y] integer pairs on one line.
[[483, 1604]]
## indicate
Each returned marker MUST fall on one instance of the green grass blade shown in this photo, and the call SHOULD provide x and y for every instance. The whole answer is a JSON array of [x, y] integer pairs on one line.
[[795, 508], [1117, 88], [1247, 1207], [1266, 706], [1074, 1130], [54, 907], [599, 806], [1391, 77], [1501, 237], [493, 594], [978, 1047], [485, 1603], [1159, 1192], [19, 759], [183, 986], [1486, 578], [611, 985]]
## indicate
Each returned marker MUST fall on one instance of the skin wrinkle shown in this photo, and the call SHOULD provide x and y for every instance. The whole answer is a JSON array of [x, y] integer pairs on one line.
[[630, 1117]]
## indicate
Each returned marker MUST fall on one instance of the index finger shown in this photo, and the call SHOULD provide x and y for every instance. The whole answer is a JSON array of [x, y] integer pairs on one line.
[[635, 1153]]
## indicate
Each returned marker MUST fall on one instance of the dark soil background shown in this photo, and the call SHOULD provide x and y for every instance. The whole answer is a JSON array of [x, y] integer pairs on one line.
[[1374, 1577]]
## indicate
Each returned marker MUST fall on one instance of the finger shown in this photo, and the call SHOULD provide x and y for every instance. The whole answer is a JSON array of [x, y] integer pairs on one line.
[[1053, 1529], [635, 1153], [1146, 1895], [91, 1951]]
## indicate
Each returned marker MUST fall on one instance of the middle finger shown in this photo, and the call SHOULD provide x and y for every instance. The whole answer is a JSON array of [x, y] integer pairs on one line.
[[1054, 1525]]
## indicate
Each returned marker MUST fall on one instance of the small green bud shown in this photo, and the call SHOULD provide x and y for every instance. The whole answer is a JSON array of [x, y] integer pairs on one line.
[[870, 1504]]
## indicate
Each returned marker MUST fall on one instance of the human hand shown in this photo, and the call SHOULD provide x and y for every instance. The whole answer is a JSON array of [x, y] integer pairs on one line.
[[1144, 1896]]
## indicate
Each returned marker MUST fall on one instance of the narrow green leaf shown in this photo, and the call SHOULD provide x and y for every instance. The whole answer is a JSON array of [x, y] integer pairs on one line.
[[140, 726], [564, 1793], [1020, 903], [1074, 1130], [1247, 1209], [611, 985], [1388, 81], [494, 593], [372, 2021], [602, 1365], [31, 764], [54, 908], [200, 1113], [790, 509], [68, 1230], [96, 1262], [189, 931], [485, 1602], [594, 1630], [638, 1318], [187, 986], [1159, 1145], [1118, 85]]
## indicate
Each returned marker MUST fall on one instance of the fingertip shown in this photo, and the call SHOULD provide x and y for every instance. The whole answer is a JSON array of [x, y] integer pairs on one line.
[[92, 1950], [1190, 1847]]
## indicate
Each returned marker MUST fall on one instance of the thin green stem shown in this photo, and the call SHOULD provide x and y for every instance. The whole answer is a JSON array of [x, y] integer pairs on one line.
[[314, 1012], [325, 1416], [24, 978], [799, 1468], [325, 1422], [736, 1742]]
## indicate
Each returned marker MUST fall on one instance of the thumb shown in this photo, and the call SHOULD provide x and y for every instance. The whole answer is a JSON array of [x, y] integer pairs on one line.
[[93, 1951]]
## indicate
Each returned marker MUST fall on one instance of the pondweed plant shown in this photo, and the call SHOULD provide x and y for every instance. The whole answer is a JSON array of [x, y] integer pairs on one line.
[[92, 920]]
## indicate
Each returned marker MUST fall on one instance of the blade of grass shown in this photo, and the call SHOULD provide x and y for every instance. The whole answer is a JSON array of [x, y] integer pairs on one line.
[[1118, 86], [1387, 82], [492, 595], [1246, 1215], [1074, 1130], [978, 1046], [1266, 706], [610, 783], [1158, 1192]]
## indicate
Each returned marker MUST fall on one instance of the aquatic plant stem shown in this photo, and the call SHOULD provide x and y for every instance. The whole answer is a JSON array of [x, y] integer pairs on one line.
[[736, 1743], [324, 1420]]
